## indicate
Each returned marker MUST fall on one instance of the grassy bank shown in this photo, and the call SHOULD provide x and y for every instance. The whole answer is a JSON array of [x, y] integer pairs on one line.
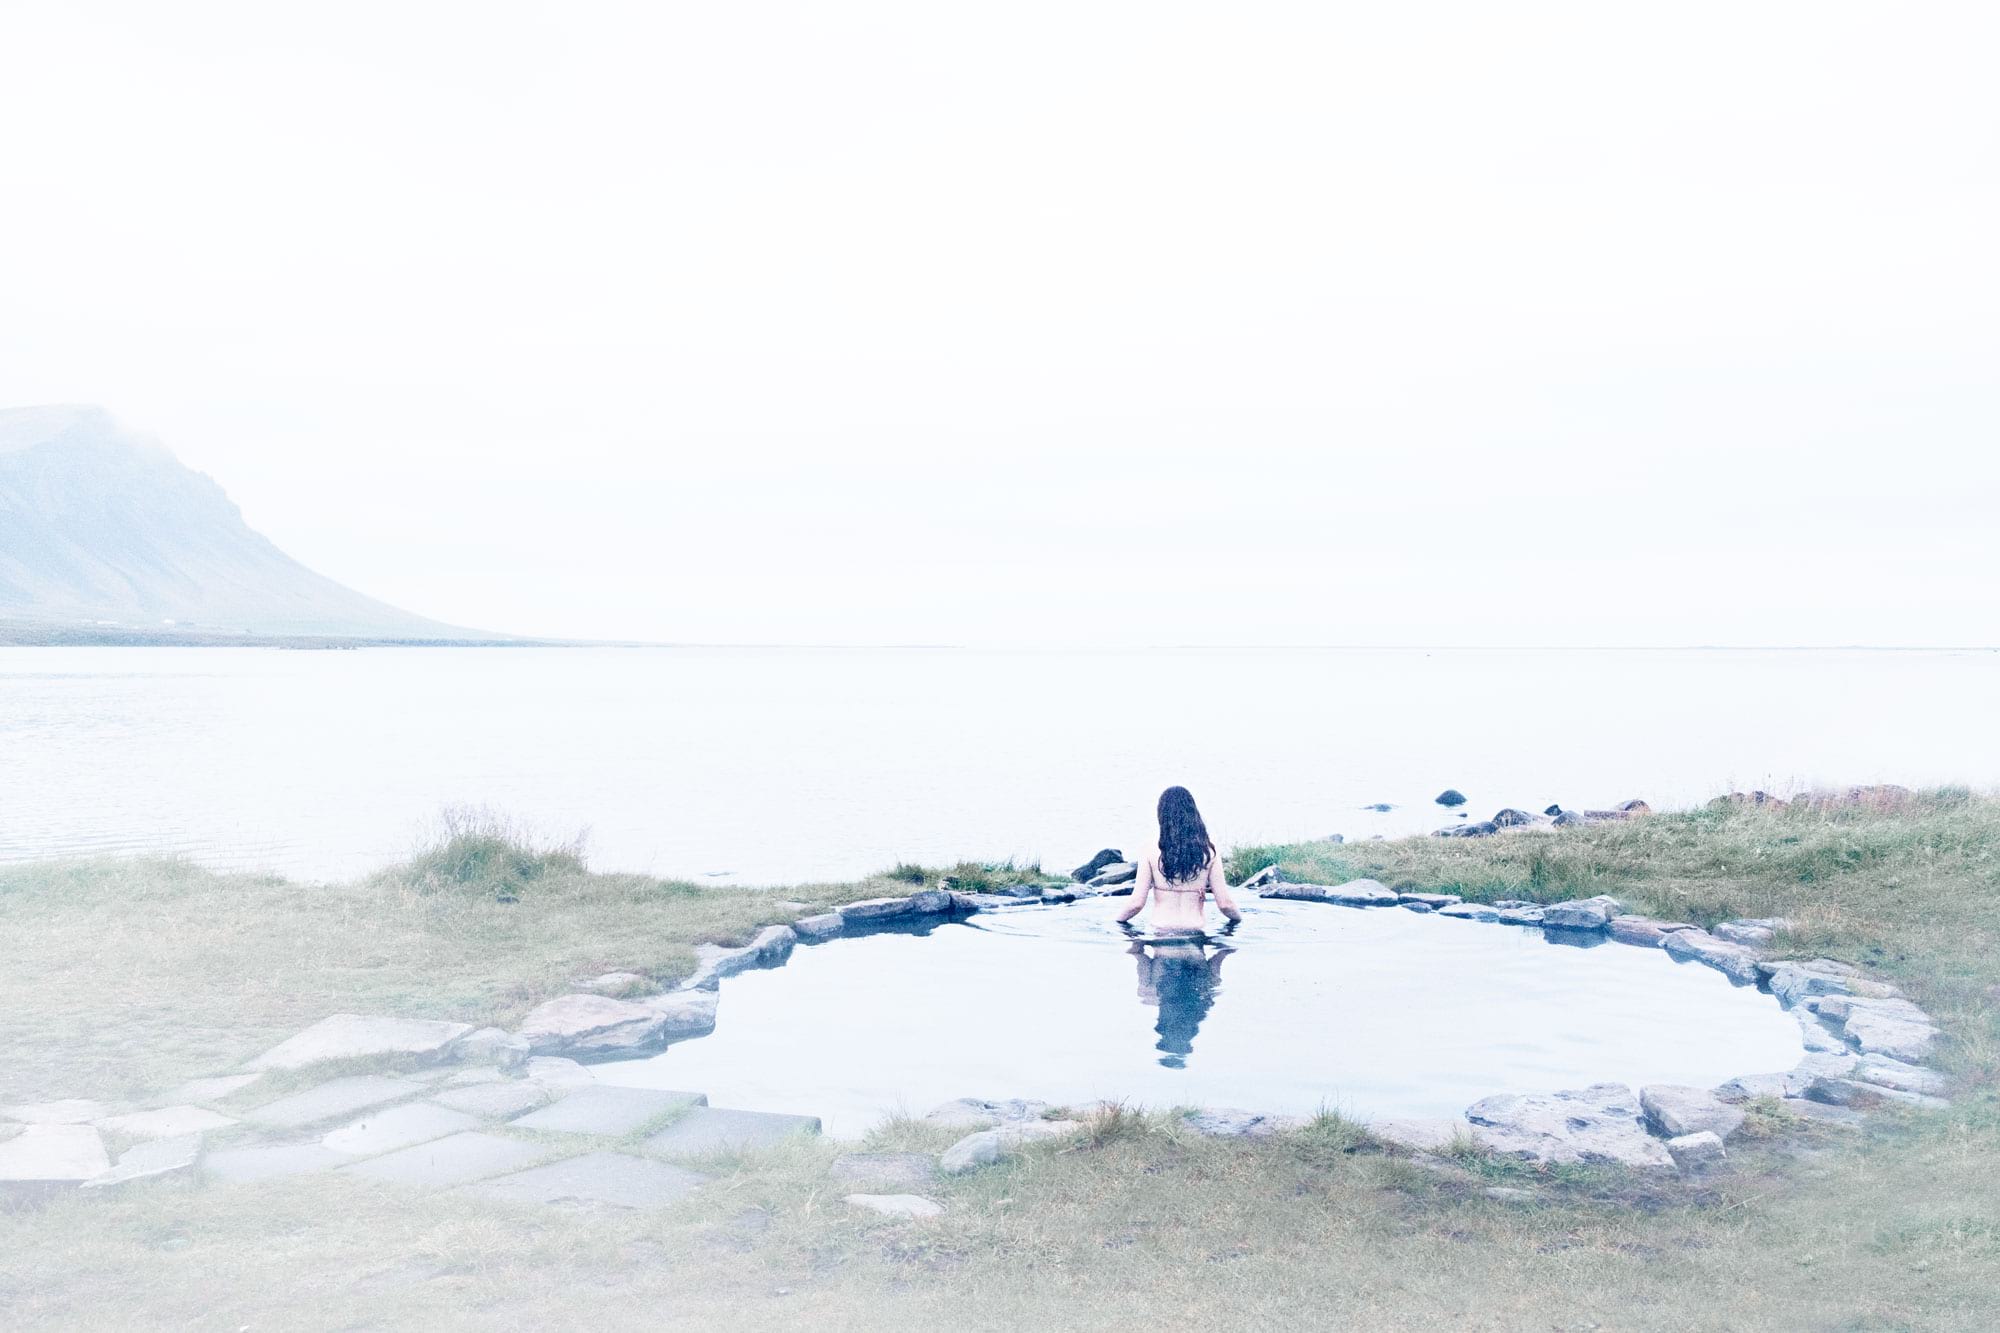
[[1138, 1223]]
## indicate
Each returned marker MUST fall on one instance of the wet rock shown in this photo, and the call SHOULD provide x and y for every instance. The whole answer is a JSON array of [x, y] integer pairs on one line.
[[1089, 869], [824, 926], [1118, 872], [1885, 1072], [1817, 1036], [977, 1113], [770, 947], [1471, 911], [687, 1013], [1696, 1151], [1732, 960], [1643, 930], [909, 1170], [1380, 807], [897, 1205], [1263, 879], [1417, 907], [493, 1046], [591, 1025], [361, 1036], [1583, 913], [1429, 899], [1676, 1110], [1228, 1122], [1600, 1124], [1528, 915], [1450, 797]]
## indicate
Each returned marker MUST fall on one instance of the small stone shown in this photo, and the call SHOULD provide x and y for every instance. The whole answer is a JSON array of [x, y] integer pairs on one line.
[[493, 1046], [885, 1168], [1677, 1111], [1693, 1152], [824, 926], [52, 1154], [168, 1122], [151, 1161], [360, 1036], [1430, 899], [897, 1205]]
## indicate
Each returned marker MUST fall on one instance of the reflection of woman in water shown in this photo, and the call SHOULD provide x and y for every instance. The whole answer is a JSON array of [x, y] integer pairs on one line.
[[1182, 979], [1178, 973], [1181, 873]]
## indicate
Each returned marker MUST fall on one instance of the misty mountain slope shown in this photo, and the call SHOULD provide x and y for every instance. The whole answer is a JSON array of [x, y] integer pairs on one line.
[[98, 523]]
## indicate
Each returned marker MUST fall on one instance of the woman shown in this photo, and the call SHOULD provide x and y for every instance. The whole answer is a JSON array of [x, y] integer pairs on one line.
[[1181, 872]]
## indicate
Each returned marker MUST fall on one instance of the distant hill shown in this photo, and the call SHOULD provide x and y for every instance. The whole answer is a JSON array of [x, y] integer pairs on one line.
[[98, 524]]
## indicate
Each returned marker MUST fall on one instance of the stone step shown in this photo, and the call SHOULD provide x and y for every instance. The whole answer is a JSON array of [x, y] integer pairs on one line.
[[457, 1160], [329, 1101], [614, 1178], [713, 1129], [608, 1111]]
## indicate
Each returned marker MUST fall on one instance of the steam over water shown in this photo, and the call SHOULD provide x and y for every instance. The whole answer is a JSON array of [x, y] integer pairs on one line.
[[785, 765]]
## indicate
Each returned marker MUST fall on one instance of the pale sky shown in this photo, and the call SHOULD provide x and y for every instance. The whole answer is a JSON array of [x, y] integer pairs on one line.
[[1045, 323]]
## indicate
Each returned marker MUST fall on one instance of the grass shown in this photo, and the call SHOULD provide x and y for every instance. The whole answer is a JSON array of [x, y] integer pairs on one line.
[[1136, 1221]]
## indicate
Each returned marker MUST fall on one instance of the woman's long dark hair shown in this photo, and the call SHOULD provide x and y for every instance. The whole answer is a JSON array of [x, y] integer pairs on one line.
[[1184, 845]]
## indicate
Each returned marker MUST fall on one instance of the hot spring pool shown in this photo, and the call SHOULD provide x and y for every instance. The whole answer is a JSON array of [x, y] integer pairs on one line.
[[1373, 1013]]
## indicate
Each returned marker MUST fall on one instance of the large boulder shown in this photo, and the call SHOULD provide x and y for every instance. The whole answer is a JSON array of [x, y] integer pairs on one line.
[[824, 926], [1891, 1027], [1451, 798], [591, 1025], [361, 1036], [1089, 869], [1675, 1110], [1886, 1072], [1512, 818], [688, 1013], [1118, 872], [1600, 1124]]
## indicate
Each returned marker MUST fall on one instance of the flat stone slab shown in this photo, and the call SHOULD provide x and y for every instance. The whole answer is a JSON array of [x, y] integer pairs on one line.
[[151, 1161], [239, 1166], [495, 1101], [75, 1111], [897, 1205], [169, 1122], [615, 1178], [708, 1129], [979, 1113], [398, 1127], [559, 1074], [453, 1161], [211, 1089], [608, 1110], [53, 1154], [358, 1036], [885, 1168], [328, 1101], [1599, 1124], [587, 1024], [1678, 1111]]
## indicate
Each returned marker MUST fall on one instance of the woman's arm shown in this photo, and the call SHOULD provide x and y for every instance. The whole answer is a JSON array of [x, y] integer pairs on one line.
[[1218, 884], [1141, 886]]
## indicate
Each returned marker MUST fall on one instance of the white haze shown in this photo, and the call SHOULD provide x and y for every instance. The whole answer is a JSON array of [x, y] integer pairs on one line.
[[1106, 323]]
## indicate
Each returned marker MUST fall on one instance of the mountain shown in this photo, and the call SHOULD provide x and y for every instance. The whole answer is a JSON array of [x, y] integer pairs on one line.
[[98, 524]]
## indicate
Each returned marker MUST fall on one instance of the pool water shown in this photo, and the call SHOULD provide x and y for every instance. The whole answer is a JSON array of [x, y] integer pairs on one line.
[[1370, 1012]]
